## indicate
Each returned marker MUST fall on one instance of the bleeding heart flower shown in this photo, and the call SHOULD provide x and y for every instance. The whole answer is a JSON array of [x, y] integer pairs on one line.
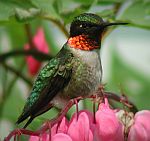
[[56, 137], [41, 45], [140, 130], [57, 132], [62, 128], [61, 137], [108, 126], [43, 137], [79, 128]]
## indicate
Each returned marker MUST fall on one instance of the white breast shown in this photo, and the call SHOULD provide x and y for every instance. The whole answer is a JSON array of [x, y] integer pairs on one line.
[[87, 73], [86, 77]]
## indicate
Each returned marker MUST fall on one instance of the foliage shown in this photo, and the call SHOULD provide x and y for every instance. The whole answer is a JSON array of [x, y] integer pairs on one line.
[[18, 23]]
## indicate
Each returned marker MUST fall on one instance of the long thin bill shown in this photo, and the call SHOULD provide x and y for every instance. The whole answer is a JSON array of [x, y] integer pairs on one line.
[[111, 24]]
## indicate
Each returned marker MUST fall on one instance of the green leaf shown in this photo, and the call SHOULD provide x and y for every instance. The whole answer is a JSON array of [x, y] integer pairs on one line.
[[15, 34], [68, 16], [47, 8], [116, 1], [106, 13], [13, 105], [108, 2], [85, 2], [23, 14], [6, 10], [138, 13], [23, 10], [58, 6]]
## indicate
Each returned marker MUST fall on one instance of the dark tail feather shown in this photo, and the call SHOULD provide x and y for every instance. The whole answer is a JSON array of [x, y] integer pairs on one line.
[[24, 117], [28, 122], [21, 118]]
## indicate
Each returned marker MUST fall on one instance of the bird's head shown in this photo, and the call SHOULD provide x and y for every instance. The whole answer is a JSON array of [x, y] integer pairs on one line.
[[89, 24]]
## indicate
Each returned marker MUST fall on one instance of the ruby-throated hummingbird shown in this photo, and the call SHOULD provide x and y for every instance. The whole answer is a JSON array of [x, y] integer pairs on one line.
[[75, 71]]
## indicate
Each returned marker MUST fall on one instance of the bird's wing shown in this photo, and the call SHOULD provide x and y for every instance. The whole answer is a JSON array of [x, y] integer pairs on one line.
[[51, 79]]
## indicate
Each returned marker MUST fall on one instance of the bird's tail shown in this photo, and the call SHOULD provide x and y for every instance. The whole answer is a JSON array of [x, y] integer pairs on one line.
[[28, 122], [21, 118]]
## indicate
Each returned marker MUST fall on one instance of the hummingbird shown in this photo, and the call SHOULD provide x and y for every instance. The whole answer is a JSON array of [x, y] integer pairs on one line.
[[75, 71]]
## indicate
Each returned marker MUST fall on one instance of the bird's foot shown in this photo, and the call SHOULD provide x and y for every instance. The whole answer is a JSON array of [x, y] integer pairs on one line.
[[99, 94]]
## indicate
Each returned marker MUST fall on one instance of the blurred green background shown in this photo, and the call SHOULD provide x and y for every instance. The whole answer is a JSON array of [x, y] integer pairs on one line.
[[125, 50]]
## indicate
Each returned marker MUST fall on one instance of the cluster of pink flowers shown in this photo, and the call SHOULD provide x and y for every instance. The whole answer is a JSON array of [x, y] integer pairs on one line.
[[41, 45], [109, 125]]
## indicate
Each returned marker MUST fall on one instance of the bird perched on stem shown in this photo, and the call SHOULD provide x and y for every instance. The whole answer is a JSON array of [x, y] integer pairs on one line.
[[75, 71]]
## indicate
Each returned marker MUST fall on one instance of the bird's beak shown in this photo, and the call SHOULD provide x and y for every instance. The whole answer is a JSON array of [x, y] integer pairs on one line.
[[106, 24]]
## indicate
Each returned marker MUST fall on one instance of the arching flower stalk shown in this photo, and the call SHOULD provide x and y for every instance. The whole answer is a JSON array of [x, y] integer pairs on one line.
[[106, 125]]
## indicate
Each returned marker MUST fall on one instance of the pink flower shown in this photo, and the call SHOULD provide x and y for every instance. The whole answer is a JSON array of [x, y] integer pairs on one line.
[[108, 126], [56, 137], [56, 134], [140, 130], [61, 137], [62, 128], [43, 137], [80, 128], [41, 45]]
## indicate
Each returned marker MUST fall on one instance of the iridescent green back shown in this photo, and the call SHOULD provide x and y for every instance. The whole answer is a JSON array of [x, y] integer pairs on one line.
[[60, 65], [42, 81]]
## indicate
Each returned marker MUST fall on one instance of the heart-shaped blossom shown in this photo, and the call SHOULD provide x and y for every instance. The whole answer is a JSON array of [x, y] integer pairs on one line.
[[79, 128], [108, 126]]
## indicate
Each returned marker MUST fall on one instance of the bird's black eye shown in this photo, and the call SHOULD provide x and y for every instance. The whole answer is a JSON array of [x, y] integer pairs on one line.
[[83, 25], [80, 25]]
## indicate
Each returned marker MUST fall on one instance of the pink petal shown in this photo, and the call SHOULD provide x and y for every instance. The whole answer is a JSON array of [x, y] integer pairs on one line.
[[63, 127], [61, 137], [33, 64], [79, 130], [108, 126], [43, 137], [89, 115], [40, 42], [34, 138], [140, 130]]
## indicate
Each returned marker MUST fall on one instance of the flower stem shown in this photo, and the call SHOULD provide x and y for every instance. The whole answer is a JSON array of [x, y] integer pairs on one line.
[[29, 35], [123, 100], [19, 132], [35, 53]]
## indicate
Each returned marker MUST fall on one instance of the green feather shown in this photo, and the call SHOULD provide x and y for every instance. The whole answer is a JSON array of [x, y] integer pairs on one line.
[[60, 66]]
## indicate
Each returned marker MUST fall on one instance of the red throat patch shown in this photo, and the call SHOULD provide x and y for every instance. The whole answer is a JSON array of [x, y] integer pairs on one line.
[[82, 42]]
